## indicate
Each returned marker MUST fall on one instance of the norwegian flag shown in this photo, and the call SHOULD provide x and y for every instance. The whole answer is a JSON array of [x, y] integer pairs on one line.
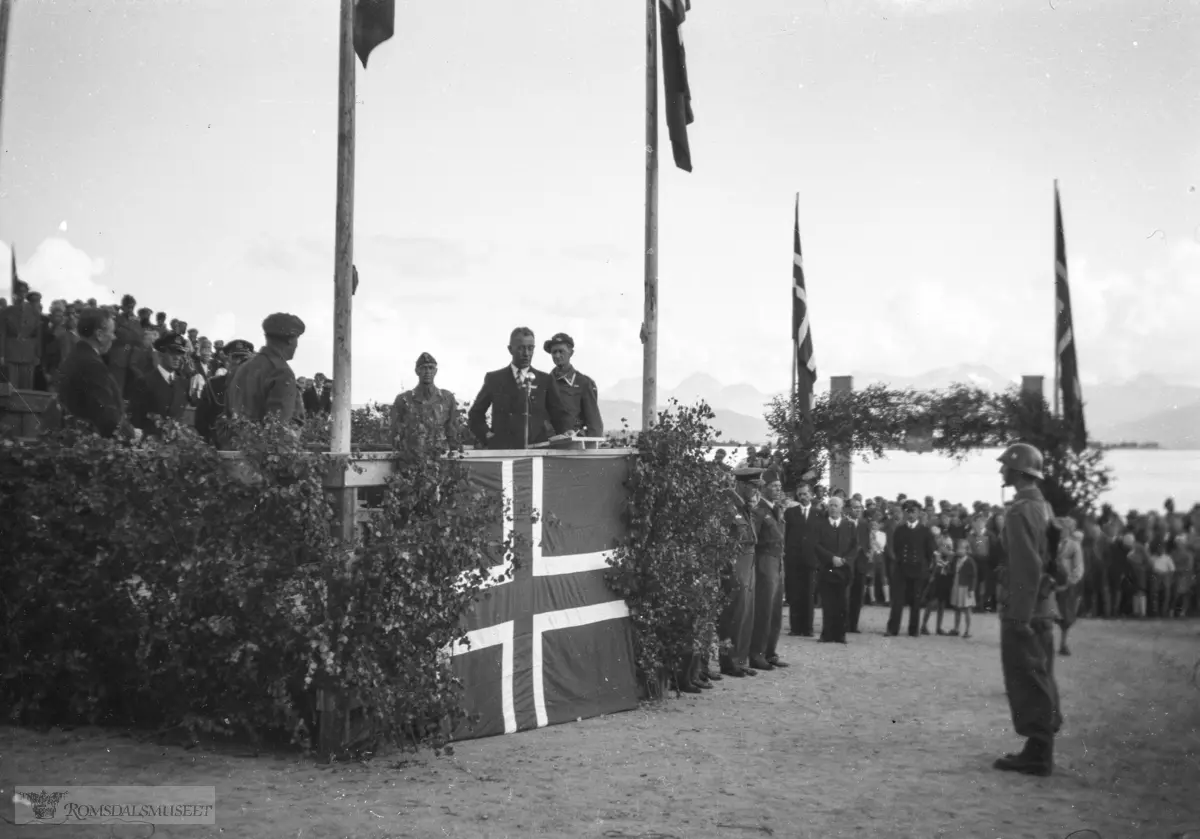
[[803, 361], [553, 644], [1064, 337], [677, 92]]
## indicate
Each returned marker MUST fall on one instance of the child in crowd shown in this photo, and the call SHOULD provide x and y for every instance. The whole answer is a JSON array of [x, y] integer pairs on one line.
[[941, 580], [962, 593]]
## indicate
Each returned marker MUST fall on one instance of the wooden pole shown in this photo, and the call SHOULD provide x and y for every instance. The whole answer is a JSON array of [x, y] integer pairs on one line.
[[5, 15], [650, 313], [1057, 366], [344, 236]]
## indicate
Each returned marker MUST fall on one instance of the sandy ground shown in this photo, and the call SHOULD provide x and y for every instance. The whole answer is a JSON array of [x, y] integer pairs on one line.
[[888, 737]]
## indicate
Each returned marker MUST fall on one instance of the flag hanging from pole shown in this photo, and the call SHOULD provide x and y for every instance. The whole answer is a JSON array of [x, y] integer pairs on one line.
[[1064, 337], [677, 94], [374, 23], [806, 364]]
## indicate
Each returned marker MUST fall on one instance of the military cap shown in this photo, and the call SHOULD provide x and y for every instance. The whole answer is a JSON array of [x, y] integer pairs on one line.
[[171, 342], [747, 474], [426, 358], [771, 476], [559, 338], [282, 325], [239, 347], [128, 300], [912, 504], [34, 296]]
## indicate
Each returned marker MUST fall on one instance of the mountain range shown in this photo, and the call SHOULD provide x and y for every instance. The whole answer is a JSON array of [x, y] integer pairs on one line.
[[1145, 409]]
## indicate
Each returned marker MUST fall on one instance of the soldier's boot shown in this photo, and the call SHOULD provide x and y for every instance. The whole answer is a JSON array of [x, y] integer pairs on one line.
[[1037, 758]]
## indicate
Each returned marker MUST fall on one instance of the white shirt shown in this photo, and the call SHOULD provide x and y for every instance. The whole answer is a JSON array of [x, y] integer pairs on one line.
[[835, 522], [521, 375], [166, 374]]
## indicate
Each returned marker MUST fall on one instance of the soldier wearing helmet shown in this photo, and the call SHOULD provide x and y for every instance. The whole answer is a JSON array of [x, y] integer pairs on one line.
[[1027, 616]]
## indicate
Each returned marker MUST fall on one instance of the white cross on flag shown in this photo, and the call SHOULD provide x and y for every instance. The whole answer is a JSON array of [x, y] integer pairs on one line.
[[553, 644]]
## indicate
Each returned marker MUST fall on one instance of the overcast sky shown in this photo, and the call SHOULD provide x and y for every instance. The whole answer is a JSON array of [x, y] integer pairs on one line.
[[184, 151]]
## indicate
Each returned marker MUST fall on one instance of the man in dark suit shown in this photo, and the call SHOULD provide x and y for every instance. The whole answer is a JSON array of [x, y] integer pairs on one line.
[[836, 545], [861, 566], [318, 397], [163, 391], [800, 562], [523, 401], [912, 550], [86, 388], [213, 398]]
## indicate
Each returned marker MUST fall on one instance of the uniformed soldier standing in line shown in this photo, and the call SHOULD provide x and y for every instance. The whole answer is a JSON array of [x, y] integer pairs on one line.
[[163, 390], [425, 415], [214, 397], [768, 572], [580, 397], [737, 621], [1027, 616], [266, 384]]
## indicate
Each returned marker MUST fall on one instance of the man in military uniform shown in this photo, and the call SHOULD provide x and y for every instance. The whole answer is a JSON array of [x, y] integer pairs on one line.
[[20, 339], [266, 384], [124, 348], [912, 549], [163, 391], [425, 415], [737, 621], [579, 395], [214, 397], [1027, 616], [768, 571], [86, 389]]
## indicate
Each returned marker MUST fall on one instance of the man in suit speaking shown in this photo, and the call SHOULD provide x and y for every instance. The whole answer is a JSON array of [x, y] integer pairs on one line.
[[836, 547], [523, 401]]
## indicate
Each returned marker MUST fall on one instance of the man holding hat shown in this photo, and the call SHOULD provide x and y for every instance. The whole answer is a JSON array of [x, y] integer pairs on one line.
[[214, 397], [580, 397], [163, 390], [266, 384], [425, 415]]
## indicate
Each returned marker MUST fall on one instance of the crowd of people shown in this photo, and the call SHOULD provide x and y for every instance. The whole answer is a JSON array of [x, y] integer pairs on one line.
[[938, 559]]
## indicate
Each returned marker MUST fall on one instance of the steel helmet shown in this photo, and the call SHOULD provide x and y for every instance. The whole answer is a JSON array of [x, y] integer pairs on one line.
[[1023, 457]]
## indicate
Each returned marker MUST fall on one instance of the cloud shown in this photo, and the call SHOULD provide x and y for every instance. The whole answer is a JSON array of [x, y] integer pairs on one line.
[[58, 269]]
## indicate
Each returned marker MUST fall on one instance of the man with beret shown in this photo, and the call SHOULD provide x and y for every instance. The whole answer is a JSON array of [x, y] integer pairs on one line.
[[214, 397], [266, 384], [768, 572], [580, 397], [737, 621], [163, 391], [425, 416], [525, 403], [912, 556]]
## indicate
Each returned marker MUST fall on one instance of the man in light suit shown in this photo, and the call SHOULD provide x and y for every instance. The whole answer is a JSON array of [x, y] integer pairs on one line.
[[836, 546], [521, 399], [800, 562]]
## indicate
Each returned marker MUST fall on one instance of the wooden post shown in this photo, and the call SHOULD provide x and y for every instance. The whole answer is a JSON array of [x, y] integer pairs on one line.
[[1054, 343], [839, 461], [343, 271], [650, 313], [5, 15]]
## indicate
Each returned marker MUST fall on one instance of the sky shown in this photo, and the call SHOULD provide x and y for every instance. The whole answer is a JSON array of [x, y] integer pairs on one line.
[[184, 151]]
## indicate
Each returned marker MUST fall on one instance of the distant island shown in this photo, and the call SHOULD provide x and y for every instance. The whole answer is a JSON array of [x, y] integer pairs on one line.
[[1123, 445]]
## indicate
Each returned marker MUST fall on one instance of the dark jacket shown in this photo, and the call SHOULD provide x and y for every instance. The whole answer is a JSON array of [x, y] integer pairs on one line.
[[862, 551], [88, 391], [768, 528], [264, 385], [833, 542], [581, 401], [315, 403], [1027, 546], [913, 549], [507, 401], [211, 408], [799, 548], [151, 395]]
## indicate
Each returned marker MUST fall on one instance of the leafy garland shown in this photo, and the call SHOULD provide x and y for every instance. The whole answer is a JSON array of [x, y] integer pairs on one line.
[[957, 420]]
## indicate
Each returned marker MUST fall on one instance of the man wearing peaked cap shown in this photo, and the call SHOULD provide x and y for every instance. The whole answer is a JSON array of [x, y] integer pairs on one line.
[[579, 394], [162, 390], [736, 624], [768, 571], [214, 397], [266, 384], [425, 416]]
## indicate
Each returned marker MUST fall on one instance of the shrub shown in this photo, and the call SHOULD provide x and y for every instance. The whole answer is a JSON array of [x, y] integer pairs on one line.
[[678, 550]]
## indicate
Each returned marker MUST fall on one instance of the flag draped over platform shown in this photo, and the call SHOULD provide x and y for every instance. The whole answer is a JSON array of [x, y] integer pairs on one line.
[[677, 94], [1067, 361], [554, 643], [374, 23], [805, 364]]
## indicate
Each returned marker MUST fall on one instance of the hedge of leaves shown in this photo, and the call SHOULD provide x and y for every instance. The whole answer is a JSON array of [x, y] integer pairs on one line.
[[962, 419], [162, 585], [679, 547]]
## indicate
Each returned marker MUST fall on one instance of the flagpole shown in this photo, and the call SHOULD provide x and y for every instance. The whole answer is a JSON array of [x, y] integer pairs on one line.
[[1057, 361], [650, 312], [339, 442], [5, 15]]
